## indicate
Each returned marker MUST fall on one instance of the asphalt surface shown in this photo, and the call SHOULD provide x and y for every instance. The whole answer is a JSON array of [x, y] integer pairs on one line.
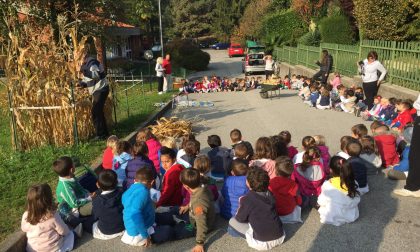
[[386, 222]]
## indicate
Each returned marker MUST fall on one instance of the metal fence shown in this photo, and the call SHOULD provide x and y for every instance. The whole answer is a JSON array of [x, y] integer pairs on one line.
[[401, 59]]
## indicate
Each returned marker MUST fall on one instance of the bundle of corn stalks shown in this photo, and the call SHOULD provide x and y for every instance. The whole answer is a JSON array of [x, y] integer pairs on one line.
[[42, 75], [171, 127]]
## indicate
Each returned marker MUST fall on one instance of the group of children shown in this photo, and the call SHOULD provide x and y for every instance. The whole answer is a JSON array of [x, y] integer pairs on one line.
[[153, 192], [218, 84], [395, 113]]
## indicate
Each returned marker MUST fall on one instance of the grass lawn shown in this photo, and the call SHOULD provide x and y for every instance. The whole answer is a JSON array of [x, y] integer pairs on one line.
[[18, 170]]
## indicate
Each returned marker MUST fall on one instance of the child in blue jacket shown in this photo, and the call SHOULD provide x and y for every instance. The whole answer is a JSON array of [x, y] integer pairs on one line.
[[234, 188], [139, 213], [122, 154]]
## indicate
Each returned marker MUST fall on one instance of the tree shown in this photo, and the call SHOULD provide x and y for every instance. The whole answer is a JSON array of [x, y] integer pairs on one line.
[[309, 9], [192, 18], [382, 19], [250, 25], [223, 22]]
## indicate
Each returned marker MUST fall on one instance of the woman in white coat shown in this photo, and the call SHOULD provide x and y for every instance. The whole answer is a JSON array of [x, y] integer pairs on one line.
[[339, 199]]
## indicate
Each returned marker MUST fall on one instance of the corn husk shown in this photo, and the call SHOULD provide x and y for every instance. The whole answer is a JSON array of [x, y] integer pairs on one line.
[[171, 127]]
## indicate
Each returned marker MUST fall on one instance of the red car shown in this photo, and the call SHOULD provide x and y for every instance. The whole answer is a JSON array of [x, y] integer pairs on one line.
[[235, 50]]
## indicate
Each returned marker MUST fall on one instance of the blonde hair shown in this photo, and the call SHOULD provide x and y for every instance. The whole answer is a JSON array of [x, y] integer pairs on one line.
[[169, 142], [319, 140], [159, 60], [111, 142]]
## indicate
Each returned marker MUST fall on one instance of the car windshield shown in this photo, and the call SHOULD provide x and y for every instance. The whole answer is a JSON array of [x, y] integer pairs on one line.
[[236, 46], [256, 56], [256, 49]]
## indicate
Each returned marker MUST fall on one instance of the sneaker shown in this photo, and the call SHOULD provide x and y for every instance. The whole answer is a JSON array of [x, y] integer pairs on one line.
[[407, 193], [160, 93], [79, 230]]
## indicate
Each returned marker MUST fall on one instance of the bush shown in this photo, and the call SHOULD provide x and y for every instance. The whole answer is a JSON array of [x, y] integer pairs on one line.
[[187, 55], [312, 38], [282, 28], [336, 29]]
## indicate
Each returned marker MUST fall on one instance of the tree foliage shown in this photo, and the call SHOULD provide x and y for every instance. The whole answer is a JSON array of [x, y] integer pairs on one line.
[[384, 19], [336, 29], [186, 54], [250, 25], [309, 9], [191, 18], [283, 27], [226, 15]]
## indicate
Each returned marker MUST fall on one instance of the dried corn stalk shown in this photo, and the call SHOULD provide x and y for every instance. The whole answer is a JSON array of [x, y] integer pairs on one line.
[[171, 127], [40, 73]]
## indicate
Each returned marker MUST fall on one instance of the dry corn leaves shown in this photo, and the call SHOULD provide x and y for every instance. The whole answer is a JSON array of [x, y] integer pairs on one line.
[[171, 127], [40, 73]]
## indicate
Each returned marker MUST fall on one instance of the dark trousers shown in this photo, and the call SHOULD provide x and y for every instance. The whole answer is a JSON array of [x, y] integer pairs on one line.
[[413, 179], [169, 229], [268, 74], [320, 75], [371, 90], [98, 117], [160, 84]]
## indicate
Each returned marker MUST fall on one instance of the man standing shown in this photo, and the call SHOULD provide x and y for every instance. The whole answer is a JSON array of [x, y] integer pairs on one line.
[[94, 78], [167, 85]]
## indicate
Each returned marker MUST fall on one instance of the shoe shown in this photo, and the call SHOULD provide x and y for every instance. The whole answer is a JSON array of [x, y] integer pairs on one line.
[[160, 93], [79, 230], [407, 193]]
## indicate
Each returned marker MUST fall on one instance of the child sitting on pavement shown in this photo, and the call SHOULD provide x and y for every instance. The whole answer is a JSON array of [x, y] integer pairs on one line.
[[192, 149], [171, 194], [307, 142], [108, 155], [325, 154], [358, 131], [387, 146], [287, 138], [358, 165], [264, 156], [286, 192], [403, 117], [339, 199], [256, 219], [236, 138], [400, 171], [139, 214], [219, 157], [122, 156], [233, 188], [107, 208], [370, 151], [74, 201], [202, 214], [310, 175], [153, 146], [140, 160], [44, 228]]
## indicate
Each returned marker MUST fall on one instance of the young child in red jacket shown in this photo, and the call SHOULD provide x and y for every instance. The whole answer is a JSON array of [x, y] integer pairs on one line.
[[286, 191], [171, 194], [386, 142], [404, 116], [108, 155]]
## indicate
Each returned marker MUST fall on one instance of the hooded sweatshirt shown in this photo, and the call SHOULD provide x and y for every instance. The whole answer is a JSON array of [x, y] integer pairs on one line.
[[285, 192], [336, 207], [267, 165], [108, 210], [119, 165]]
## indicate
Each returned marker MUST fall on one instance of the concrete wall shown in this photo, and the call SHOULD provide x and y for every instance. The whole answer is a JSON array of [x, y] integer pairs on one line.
[[386, 90]]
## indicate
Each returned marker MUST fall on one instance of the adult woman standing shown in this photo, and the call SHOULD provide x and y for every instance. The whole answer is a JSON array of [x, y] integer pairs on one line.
[[369, 68], [268, 66], [160, 73], [325, 67]]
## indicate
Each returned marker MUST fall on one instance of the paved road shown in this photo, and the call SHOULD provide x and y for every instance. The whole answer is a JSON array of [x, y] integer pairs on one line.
[[386, 223]]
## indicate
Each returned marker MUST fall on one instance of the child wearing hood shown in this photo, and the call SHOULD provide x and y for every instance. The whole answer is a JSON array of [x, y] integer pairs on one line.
[[122, 154]]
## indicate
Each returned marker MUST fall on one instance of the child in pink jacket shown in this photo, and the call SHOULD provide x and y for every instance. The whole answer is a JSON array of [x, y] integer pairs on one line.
[[336, 81], [153, 145], [263, 156], [43, 226]]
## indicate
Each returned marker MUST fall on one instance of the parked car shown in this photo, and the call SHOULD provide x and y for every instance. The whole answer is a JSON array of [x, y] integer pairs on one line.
[[235, 50], [219, 46], [255, 49], [253, 63]]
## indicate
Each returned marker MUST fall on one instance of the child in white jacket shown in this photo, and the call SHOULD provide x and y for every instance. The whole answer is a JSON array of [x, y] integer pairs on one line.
[[339, 199]]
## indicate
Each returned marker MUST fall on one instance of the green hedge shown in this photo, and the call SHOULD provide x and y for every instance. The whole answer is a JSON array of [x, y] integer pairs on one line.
[[336, 29], [187, 55], [282, 28], [312, 38]]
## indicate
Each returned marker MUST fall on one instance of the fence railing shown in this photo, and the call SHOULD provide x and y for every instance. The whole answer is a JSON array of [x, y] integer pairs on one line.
[[401, 59]]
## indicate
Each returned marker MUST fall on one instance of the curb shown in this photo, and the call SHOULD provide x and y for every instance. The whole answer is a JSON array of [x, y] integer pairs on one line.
[[16, 242]]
